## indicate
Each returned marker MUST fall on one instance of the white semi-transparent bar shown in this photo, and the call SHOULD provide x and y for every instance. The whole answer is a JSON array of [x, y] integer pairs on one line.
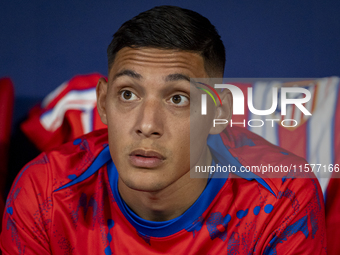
[[204, 104]]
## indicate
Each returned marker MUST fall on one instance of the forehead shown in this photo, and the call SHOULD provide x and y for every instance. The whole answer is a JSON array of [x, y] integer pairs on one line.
[[153, 61]]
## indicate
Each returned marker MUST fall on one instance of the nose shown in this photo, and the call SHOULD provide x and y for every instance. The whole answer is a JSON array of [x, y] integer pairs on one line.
[[150, 120]]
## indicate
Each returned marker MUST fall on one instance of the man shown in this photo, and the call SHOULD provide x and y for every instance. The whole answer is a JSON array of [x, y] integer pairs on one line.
[[127, 189]]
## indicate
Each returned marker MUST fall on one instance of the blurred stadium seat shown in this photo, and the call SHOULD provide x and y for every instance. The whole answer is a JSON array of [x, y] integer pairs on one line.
[[6, 112]]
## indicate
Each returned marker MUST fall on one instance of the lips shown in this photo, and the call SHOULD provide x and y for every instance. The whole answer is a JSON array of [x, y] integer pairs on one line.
[[146, 158]]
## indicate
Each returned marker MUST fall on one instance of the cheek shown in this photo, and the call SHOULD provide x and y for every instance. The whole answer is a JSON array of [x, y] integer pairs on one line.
[[177, 140], [119, 128], [200, 126], [118, 121]]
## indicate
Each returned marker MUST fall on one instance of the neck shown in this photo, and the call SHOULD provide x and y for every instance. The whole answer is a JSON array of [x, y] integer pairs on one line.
[[168, 203]]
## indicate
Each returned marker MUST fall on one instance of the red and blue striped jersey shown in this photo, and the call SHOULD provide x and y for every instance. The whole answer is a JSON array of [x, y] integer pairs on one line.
[[66, 113]]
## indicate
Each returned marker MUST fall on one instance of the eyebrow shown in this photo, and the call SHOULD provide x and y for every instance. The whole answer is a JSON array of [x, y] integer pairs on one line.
[[129, 73], [177, 77], [135, 75]]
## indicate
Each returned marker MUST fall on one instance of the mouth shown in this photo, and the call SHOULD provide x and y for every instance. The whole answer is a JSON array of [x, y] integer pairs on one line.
[[146, 158]]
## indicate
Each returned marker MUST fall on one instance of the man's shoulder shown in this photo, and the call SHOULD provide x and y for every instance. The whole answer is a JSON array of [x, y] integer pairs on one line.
[[73, 158], [88, 145], [278, 168], [276, 189], [65, 163]]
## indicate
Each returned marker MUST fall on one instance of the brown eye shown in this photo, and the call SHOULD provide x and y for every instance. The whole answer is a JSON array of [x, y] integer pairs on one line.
[[179, 100], [176, 99], [127, 95]]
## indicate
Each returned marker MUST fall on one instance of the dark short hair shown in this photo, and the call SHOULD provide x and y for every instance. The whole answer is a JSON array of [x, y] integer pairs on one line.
[[171, 27]]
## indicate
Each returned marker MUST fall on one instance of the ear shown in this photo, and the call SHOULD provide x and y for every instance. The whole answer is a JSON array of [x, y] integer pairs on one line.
[[223, 111], [101, 92]]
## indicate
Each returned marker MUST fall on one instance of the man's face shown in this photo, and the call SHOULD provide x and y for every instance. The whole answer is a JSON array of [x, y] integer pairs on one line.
[[146, 105]]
